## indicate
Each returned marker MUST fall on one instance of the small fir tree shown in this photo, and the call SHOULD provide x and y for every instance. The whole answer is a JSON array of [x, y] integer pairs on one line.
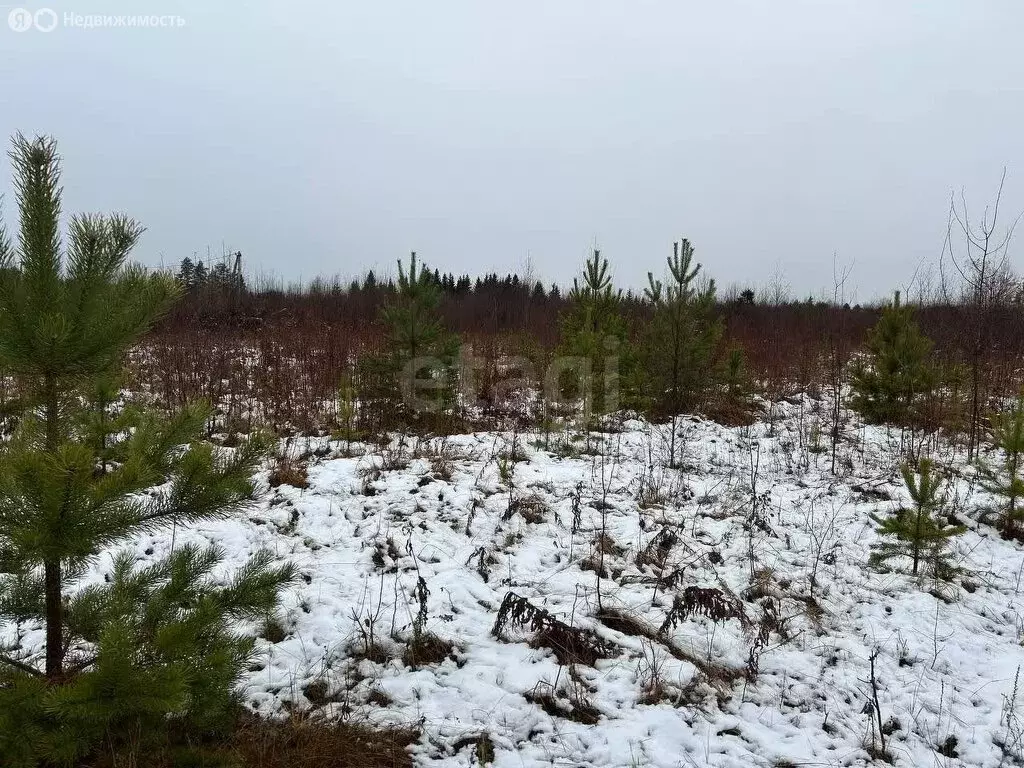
[[149, 646], [348, 412], [199, 275], [419, 342], [736, 378], [187, 274], [1006, 480], [682, 338], [103, 421], [594, 330], [411, 316], [918, 532], [734, 402], [898, 376]]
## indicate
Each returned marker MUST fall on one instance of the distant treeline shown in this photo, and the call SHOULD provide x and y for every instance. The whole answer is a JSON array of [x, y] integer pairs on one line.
[[783, 338]]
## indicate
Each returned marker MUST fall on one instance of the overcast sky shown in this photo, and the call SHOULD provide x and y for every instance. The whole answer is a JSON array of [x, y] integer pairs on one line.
[[332, 137]]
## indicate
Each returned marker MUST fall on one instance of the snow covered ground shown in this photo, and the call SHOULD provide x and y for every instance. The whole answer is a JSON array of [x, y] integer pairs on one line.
[[754, 512]]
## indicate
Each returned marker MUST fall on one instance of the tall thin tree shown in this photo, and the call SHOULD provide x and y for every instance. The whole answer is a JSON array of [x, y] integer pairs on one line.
[[980, 254]]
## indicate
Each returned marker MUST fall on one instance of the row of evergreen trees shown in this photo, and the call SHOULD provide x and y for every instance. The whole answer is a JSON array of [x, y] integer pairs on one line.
[[676, 365], [219, 277], [226, 276], [462, 285], [151, 649]]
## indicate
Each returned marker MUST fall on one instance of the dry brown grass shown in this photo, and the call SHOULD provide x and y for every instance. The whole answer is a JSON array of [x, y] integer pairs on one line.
[[275, 358], [299, 741], [427, 649], [288, 472]]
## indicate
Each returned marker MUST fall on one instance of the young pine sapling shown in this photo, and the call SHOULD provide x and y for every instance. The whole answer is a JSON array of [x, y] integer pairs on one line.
[[1006, 480], [919, 531]]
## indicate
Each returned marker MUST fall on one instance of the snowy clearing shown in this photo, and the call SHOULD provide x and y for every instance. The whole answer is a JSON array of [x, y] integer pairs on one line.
[[789, 554]]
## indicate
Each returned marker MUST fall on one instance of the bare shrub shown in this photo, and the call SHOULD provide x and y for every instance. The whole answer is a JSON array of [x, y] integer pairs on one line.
[[571, 645]]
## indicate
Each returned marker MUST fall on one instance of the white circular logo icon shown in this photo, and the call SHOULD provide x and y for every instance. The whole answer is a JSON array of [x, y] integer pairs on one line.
[[45, 20], [20, 20]]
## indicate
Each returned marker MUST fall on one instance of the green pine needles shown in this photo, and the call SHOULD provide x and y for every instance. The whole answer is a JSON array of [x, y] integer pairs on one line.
[[682, 339], [594, 332], [148, 645], [1005, 480], [918, 532], [899, 375], [422, 350], [411, 315]]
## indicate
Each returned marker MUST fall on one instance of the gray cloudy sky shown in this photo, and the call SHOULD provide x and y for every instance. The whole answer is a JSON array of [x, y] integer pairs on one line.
[[333, 137]]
